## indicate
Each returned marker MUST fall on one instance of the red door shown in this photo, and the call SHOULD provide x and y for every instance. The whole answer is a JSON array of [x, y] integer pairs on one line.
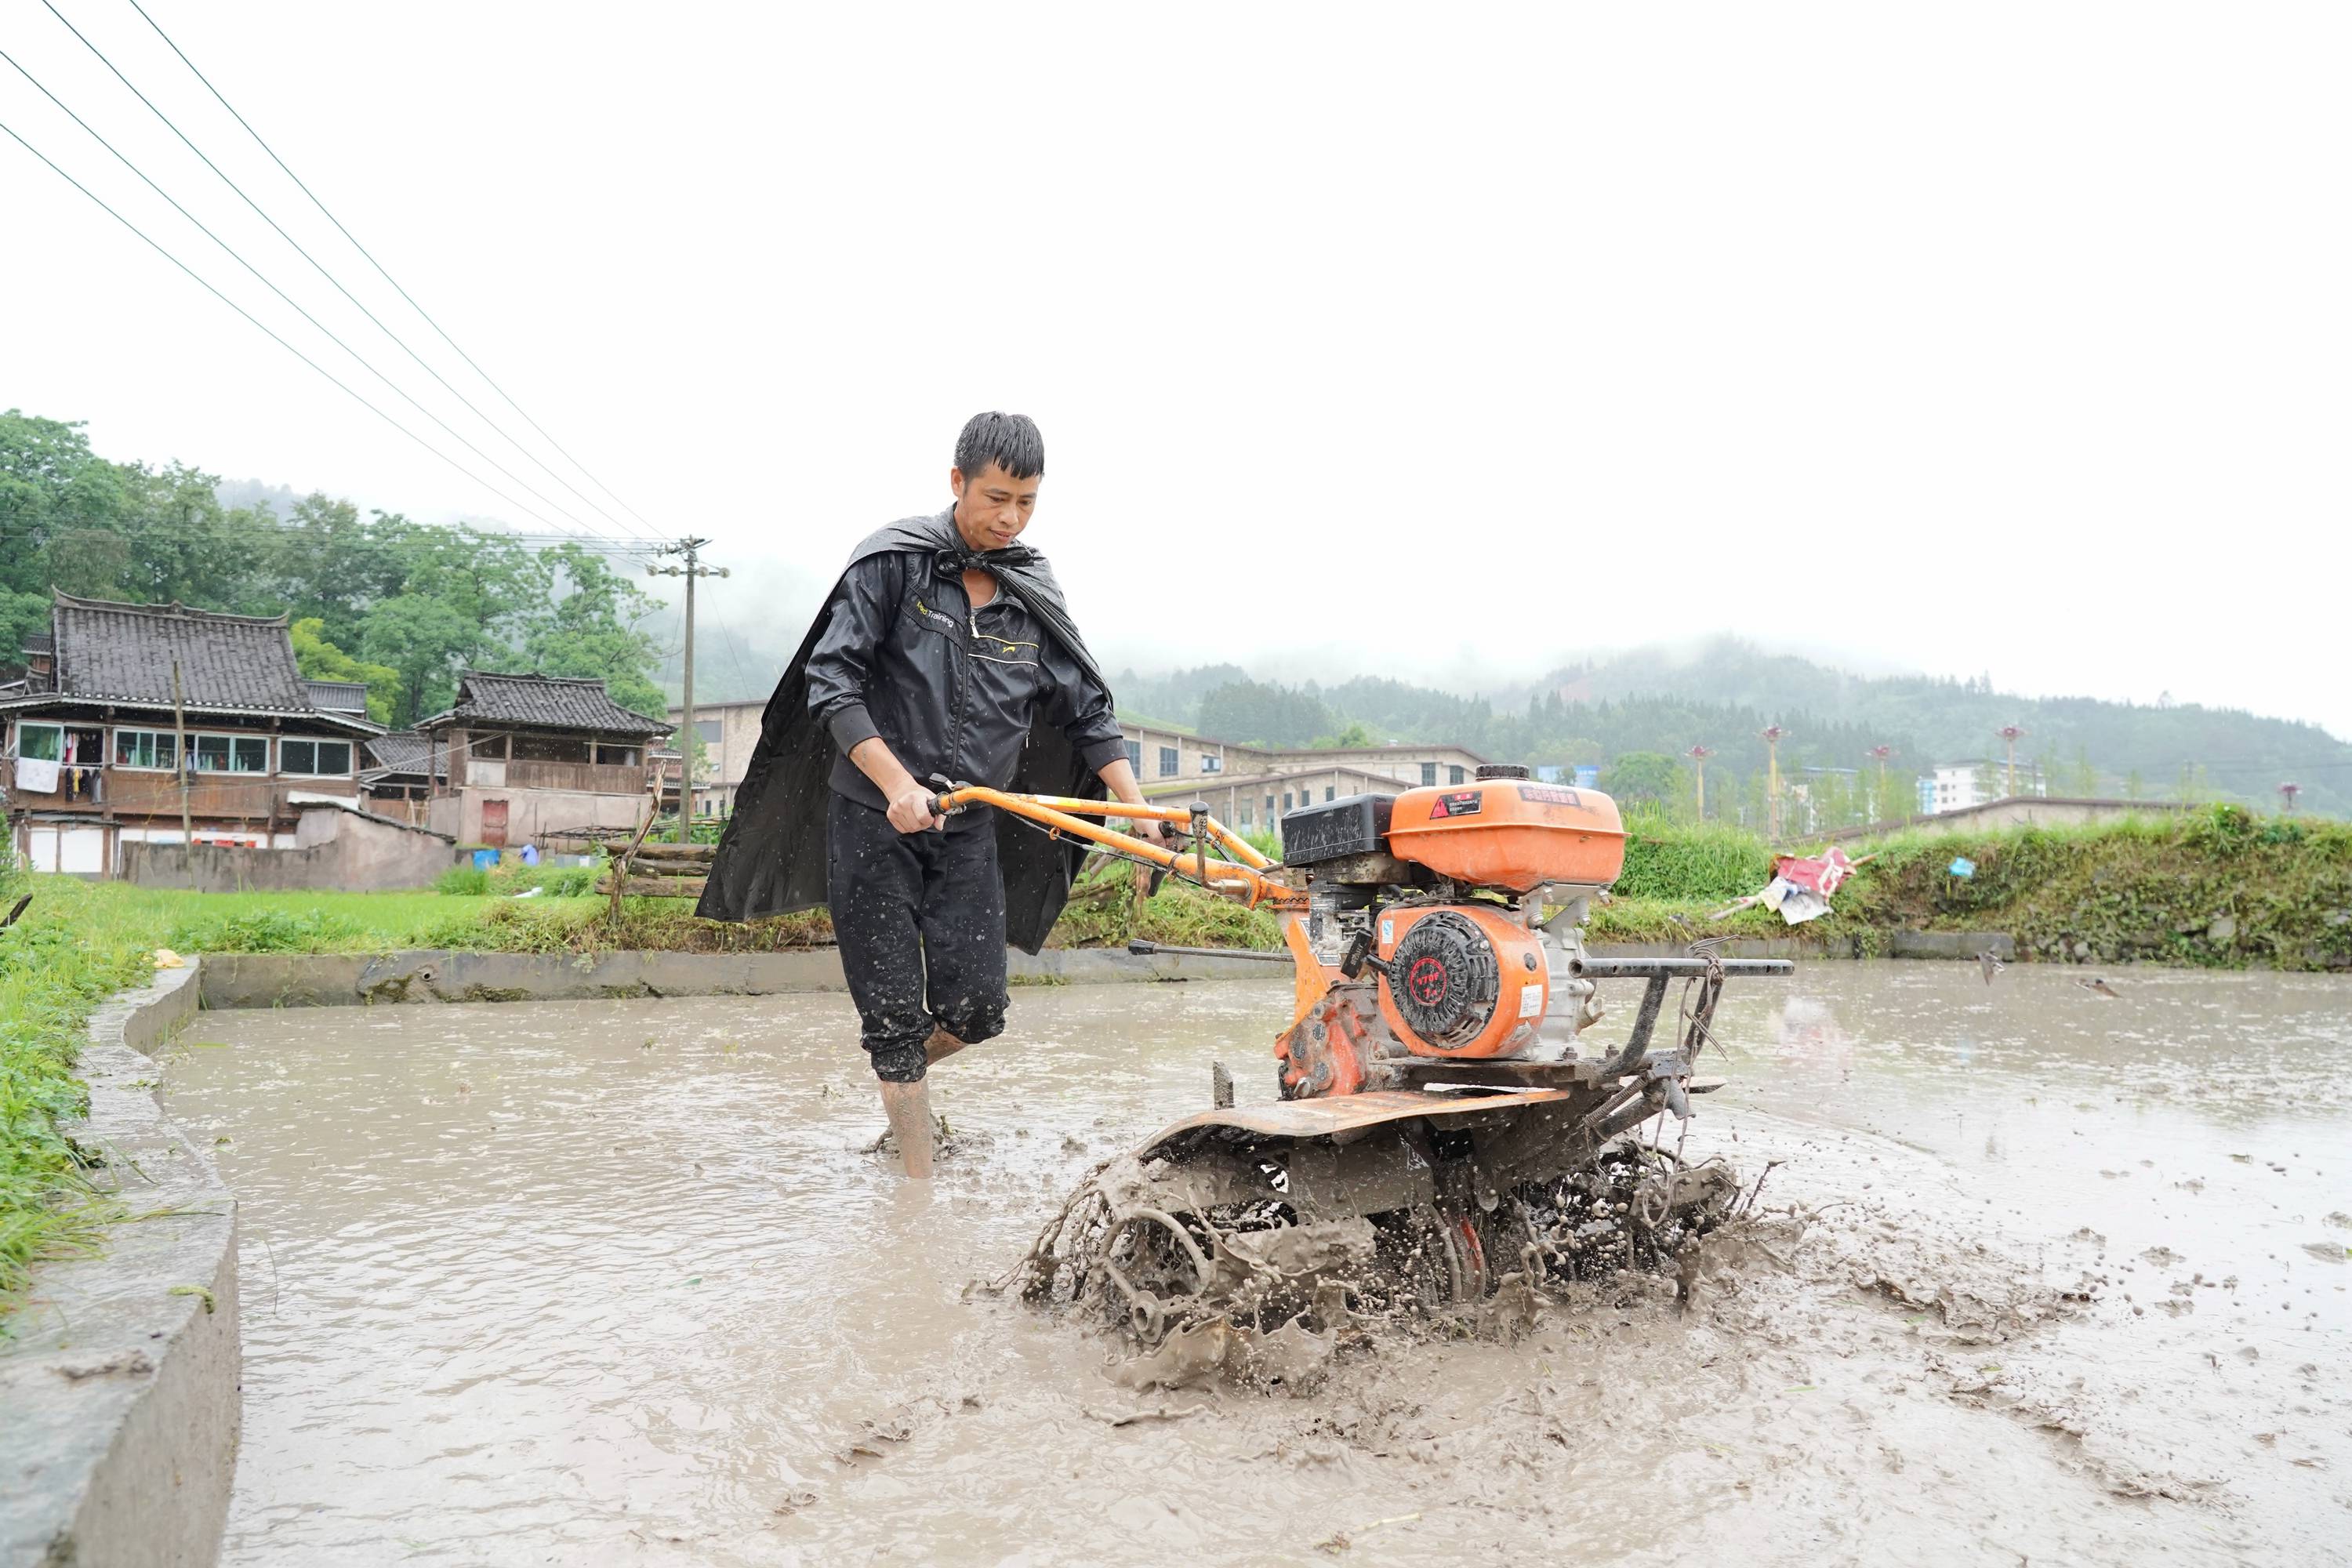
[[494, 823]]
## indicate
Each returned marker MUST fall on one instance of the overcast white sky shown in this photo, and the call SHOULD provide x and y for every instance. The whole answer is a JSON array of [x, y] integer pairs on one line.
[[1444, 341]]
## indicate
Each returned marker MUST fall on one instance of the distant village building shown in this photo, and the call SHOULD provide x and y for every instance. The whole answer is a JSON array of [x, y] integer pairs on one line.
[[526, 757], [402, 769], [729, 731], [1169, 763], [100, 750], [1958, 786], [1249, 787]]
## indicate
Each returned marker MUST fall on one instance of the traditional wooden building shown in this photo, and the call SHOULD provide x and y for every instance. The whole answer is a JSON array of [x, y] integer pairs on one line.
[[536, 756], [401, 772], [132, 719]]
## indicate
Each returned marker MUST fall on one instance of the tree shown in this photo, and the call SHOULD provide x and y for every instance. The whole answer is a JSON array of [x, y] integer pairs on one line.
[[593, 627], [424, 641], [319, 659], [1640, 776]]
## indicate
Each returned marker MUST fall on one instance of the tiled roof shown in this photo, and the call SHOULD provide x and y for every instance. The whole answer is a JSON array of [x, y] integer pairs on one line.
[[407, 751], [107, 652], [338, 696], [39, 642], [541, 702]]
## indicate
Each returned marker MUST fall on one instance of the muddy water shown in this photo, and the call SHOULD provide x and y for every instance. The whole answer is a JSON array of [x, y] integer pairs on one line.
[[617, 1283]]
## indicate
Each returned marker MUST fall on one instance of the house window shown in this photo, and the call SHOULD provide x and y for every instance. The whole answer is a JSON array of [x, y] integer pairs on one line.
[[1286, 800], [1453, 774], [1329, 792], [145, 748], [1429, 773], [1211, 764], [315, 759], [230, 754], [709, 730], [618, 756], [1243, 812], [1167, 762], [1269, 808], [41, 743], [1135, 755]]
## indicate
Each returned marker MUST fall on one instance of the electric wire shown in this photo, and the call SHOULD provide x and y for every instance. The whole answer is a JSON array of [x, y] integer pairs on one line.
[[386, 276], [273, 336], [264, 281], [322, 270]]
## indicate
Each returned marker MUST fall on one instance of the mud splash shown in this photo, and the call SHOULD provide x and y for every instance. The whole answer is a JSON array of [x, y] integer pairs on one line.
[[618, 1283], [1153, 1252]]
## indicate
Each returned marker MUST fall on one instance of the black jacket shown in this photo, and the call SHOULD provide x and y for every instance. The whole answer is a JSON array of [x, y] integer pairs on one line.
[[951, 690], [771, 858]]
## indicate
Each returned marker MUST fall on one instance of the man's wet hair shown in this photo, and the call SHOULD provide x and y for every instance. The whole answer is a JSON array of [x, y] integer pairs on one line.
[[1010, 441]]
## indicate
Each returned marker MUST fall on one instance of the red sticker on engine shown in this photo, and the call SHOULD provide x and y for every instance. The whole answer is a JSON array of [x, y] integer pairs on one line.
[[1464, 803], [1427, 980]]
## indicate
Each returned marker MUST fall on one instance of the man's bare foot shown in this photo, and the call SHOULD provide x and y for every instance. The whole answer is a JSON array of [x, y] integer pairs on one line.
[[909, 1106], [939, 1047]]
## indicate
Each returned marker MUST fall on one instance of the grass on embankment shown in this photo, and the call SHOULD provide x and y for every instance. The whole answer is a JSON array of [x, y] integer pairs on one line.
[[2216, 888], [62, 958]]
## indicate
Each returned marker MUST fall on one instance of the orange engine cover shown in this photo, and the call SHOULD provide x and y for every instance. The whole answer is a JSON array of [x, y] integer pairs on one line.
[[1510, 833], [1464, 981]]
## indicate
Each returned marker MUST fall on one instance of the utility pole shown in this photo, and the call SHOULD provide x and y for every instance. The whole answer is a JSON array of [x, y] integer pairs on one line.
[[180, 766], [1772, 735], [689, 548], [2010, 734], [1698, 756]]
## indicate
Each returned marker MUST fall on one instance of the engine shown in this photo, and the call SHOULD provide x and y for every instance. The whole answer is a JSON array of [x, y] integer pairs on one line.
[[1441, 926]]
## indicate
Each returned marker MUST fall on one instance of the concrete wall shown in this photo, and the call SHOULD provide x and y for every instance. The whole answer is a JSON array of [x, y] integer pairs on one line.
[[2024, 811], [120, 1377], [336, 850], [340, 980]]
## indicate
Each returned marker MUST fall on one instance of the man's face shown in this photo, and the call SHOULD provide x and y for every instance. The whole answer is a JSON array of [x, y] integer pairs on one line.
[[993, 507]]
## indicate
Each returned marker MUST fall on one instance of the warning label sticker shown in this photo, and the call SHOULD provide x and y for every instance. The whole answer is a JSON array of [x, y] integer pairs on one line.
[[1531, 1001], [1464, 803], [1549, 795]]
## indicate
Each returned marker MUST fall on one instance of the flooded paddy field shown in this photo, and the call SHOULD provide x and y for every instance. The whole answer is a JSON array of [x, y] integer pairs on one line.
[[617, 1282]]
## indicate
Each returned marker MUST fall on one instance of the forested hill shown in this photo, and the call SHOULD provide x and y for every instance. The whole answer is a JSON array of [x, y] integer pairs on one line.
[[1655, 702], [397, 605]]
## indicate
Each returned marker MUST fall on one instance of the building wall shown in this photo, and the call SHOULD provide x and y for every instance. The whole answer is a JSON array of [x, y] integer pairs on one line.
[[728, 757], [1197, 757], [1244, 804], [334, 849], [530, 813]]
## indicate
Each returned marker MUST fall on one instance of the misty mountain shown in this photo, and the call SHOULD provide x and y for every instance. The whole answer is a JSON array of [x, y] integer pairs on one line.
[[1653, 700]]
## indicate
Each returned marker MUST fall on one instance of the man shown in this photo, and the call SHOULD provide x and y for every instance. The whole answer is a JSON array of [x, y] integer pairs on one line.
[[945, 652]]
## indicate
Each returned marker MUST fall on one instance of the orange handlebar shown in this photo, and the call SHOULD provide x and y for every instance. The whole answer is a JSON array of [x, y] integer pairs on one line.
[[1240, 877]]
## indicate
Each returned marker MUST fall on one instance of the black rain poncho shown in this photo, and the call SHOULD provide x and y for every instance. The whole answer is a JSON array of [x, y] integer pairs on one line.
[[771, 858]]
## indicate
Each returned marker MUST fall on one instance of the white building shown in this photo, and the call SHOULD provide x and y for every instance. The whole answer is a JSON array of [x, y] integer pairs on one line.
[[1957, 786]]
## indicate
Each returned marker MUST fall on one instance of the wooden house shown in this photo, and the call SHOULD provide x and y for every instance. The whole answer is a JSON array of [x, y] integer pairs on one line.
[[537, 756], [131, 720]]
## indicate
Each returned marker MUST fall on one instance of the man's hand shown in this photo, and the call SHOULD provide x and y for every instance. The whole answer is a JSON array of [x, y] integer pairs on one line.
[[1152, 831], [910, 810]]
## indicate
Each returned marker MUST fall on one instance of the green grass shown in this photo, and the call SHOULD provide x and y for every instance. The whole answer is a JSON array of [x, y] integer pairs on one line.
[[66, 954]]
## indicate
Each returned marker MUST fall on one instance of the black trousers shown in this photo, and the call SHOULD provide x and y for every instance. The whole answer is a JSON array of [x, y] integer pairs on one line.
[[920, 920]]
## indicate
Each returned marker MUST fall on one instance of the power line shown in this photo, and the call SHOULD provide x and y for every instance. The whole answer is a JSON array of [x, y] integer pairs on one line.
[[322, 270], [281, 342], [387, 277], [249, 266]]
